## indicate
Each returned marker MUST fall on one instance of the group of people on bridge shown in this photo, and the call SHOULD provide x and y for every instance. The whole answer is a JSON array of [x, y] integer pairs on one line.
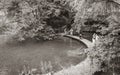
[[71, 32], [80, 35]]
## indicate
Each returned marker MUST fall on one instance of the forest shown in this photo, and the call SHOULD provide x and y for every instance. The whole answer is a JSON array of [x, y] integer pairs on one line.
[[46, 20]]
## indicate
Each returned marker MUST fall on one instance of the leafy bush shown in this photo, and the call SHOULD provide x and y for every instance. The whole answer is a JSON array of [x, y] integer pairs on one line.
[[38, 18], [104, 17]]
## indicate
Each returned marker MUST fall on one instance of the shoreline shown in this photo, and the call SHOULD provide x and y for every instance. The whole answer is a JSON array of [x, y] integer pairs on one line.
[[83, 68]]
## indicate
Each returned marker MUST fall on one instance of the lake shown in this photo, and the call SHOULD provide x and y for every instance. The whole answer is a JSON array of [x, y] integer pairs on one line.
[[14, 56]]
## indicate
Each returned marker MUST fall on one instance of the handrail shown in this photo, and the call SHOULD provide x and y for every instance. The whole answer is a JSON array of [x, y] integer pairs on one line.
[[83, 40]]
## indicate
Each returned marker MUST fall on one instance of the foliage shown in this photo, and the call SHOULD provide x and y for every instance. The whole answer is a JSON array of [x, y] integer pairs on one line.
[[29, 16], [44, 68], [37, 19], [103, 17], [95, 12]]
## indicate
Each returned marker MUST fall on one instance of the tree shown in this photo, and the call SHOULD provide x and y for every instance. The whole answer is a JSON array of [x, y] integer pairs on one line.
[[38, 19], [103, 15], [94, 11]]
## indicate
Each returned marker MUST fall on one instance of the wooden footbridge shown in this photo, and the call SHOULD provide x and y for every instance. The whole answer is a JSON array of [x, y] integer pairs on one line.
[[83, 40]]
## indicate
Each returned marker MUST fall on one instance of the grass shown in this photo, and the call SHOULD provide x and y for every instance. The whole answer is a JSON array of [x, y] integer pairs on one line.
[[4, 71], [83, 68], [44, 69]]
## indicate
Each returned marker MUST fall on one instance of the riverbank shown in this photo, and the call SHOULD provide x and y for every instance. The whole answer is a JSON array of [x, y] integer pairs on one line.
[[86, 67]]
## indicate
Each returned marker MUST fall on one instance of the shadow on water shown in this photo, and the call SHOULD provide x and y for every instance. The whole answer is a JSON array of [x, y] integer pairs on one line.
[[16, 54]]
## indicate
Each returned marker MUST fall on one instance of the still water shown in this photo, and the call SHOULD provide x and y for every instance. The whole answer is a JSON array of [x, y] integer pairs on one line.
[[14, 56]]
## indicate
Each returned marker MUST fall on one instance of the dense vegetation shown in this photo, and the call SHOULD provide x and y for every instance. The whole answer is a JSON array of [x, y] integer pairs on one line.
[[38, 19], [102, 17]]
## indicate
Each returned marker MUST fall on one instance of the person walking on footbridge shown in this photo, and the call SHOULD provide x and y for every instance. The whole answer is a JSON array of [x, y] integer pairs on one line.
[[80, 36], [71, 31]]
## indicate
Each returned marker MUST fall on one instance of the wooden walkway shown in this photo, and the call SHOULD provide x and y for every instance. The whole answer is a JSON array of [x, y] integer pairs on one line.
[[85, 41]]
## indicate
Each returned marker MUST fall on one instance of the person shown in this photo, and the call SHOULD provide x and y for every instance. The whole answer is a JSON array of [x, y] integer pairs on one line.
[[80, 36], [94, 38], [71, 31]]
